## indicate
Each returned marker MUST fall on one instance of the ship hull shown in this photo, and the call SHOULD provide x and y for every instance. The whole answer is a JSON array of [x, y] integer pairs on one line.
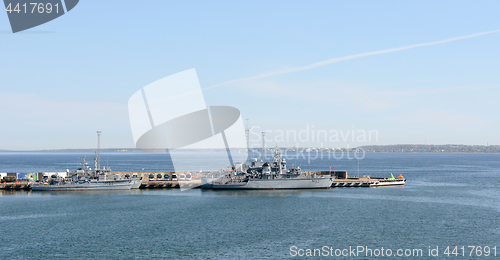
[[273, 184], [98, 185], [390, 182]]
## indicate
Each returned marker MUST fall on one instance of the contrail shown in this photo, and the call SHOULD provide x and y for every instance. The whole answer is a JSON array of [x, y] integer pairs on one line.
[[350, 57]]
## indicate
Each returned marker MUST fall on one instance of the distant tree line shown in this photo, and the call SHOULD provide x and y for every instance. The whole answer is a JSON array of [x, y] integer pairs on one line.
[[422, 148]]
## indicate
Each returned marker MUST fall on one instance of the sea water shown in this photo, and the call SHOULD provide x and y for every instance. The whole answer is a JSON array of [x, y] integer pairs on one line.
[[450, 201]]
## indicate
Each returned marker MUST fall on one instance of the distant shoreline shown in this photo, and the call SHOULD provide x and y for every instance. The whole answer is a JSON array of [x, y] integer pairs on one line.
[[399, 148]]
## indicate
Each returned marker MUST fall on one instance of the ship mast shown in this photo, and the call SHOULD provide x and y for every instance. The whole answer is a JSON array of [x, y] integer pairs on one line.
[[247, 132], [263, 146], [98, 151], [278, 159]]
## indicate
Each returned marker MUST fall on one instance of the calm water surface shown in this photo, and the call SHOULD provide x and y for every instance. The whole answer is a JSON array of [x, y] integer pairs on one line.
[[449, 200]]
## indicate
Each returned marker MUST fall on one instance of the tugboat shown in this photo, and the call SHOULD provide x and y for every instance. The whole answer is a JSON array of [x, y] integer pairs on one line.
[[84, 179], [266, 176]]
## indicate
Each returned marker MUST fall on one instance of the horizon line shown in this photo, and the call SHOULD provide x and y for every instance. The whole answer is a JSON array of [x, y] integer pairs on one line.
[[253, 148]]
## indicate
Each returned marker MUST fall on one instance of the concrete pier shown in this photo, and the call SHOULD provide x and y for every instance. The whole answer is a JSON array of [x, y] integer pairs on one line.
[[14, 186], [341, 180]]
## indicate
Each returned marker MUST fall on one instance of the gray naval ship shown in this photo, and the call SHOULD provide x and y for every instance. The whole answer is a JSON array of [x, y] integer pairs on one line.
[[85, 179], [266, 176]]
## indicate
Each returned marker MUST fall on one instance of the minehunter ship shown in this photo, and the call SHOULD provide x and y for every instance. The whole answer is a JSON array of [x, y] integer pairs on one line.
[[266, 176], [85, 179]]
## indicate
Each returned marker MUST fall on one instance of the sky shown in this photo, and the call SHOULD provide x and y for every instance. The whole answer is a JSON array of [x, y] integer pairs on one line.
[[351, 72]]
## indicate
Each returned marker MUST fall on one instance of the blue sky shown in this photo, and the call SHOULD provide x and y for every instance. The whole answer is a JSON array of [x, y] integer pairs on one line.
[[63, 80]]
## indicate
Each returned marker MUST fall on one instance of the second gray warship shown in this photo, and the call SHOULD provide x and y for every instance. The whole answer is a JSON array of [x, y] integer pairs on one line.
[[266, 176]]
